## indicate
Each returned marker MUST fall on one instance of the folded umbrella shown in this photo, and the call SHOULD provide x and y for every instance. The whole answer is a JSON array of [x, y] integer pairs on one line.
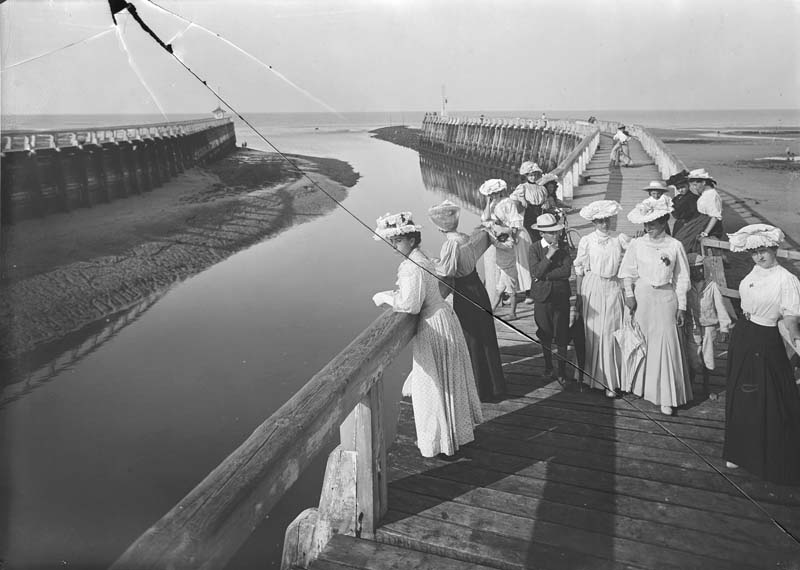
[[632, 347]]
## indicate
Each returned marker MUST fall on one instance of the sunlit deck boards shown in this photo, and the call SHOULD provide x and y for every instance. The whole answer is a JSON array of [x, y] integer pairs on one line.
[[569, 479]]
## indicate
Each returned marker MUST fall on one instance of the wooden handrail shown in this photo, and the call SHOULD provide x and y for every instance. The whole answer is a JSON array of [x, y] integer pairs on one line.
[[719, 244], [207, 527]]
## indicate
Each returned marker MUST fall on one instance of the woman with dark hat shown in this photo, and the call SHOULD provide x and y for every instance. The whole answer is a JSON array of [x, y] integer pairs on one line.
[[441, 383], [684, 205], [459, 256], [762, 407], [708, 222]]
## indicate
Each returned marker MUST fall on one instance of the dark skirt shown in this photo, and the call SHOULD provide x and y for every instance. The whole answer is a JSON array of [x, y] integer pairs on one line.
[[481, 337], [762, 411], [529, 218], [688, 232]]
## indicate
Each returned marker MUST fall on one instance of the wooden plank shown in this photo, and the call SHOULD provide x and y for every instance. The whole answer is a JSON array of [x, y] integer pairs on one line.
[[349, 552], [630, 538]]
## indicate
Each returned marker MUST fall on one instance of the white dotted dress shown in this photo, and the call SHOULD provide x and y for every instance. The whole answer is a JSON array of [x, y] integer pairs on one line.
[[441, 384]]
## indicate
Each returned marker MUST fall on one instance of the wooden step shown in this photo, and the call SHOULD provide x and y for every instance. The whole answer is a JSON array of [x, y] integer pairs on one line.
[[347, 553]]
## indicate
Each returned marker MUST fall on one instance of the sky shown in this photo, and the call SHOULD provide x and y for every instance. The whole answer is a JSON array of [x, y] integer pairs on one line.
[[388, 55]]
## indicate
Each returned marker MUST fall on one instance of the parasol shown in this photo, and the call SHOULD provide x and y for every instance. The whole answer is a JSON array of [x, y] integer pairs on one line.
[[632, 348]]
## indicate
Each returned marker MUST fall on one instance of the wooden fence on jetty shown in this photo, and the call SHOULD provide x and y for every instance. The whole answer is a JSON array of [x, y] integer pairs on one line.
[[622, 492], [57, 171]]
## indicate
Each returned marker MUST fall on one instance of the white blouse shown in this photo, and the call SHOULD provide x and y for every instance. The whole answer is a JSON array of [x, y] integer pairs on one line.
[[600, 254], [417, 291], [656, 262], [529, 194], [664, 200], [767, 294], [710, 204], [507, 214]]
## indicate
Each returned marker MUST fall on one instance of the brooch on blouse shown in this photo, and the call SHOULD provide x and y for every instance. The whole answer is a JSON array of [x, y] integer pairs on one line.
[[665, 260]]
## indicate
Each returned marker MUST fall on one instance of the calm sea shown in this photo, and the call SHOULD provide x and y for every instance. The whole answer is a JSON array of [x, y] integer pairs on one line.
[[103, 439]]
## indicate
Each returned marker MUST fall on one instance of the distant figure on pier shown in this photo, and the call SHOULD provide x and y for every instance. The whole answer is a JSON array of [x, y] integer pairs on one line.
[[543, 119], [600, 295], [762, 406], [457, 262], [551, 266], [709, 207], [655, 271], [500, 209], [619, 151], [441, 384]]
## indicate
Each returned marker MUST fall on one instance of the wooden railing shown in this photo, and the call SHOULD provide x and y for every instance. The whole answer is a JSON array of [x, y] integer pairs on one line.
[[207, 527], [667, 163], [570, 169]]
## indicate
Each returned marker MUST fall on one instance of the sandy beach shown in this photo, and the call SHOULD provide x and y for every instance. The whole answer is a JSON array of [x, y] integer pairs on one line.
[[65, 271]]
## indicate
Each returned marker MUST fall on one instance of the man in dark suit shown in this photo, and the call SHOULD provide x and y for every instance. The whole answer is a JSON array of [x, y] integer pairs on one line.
[[551, 266]]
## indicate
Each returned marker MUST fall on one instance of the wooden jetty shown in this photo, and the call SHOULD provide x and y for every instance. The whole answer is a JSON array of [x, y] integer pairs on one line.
[[557, 478]]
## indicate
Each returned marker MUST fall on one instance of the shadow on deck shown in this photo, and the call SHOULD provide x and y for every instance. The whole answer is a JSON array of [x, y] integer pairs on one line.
[[571, 479]]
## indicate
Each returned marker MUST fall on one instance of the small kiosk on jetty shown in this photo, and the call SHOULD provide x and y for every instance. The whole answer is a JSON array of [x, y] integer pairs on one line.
[[555, 478]]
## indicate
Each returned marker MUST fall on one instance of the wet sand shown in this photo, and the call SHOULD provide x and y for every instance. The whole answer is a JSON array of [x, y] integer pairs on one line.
[[65, 271]]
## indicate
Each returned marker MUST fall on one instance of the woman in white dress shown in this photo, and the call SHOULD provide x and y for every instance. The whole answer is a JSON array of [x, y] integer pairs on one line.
[[441, 384], [600, 294], [656, 277], [505, 211], [762, 405]]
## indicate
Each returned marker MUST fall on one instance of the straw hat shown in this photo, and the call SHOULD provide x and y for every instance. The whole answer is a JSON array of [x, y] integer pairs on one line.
[[648, 211], [547, 223], [529, 167], [445, 215], [656, 185], [755, 236], [492, 186], [393, 225], [600, 209], [700, 174]]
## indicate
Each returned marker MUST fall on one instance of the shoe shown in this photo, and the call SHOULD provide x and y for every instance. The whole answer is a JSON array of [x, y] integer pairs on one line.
[[731, 465], [611, 393], [667, 410], [562, 381]]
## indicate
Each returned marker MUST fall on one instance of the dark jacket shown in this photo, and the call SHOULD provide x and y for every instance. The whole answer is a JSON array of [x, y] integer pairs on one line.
[[550, 276]]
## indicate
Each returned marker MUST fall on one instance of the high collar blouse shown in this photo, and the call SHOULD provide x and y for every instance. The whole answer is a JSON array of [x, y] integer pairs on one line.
[[710, 204], [460, 253], [768, 294], [529, 194], [656, 262], [600, 254]]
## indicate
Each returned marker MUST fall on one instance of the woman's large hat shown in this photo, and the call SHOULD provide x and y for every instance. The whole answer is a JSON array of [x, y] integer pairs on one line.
[[600, 209], [529, 167], [547, 223], [648, 211], [700, 174], [755, 236], [656, 185], [393, 225], [492, 186], [679, 179], [549, 177], [445, 215]]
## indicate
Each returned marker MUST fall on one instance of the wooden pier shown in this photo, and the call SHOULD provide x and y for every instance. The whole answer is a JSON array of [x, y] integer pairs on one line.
[[557, 478]]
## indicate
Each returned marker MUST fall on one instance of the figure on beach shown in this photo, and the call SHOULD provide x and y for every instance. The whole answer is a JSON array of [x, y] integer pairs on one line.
[[762, 407], [504, 212], [457, 262], [655, 271], [706, 316], [551, 266], [600, 295], [441, 384]]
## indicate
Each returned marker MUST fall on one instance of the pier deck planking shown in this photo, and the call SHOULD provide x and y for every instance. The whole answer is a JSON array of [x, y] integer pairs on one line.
[[567, 478]]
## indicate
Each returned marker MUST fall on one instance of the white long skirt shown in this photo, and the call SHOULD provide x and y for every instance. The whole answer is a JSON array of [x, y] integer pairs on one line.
[[662, 378], [444, 395], [602, 304]]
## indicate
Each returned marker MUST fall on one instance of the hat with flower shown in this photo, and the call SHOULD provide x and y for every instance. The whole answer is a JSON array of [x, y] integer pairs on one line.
[[600, 209], [445, 215], [393, 225], [492, 186], [529, 167], [648, 211], [755, 236]]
